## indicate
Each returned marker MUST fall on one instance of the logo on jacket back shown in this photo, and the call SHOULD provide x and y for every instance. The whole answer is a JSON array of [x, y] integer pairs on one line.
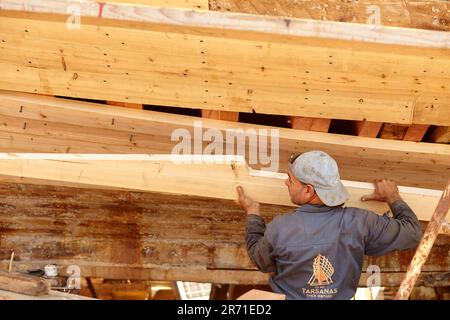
[[322, 272]]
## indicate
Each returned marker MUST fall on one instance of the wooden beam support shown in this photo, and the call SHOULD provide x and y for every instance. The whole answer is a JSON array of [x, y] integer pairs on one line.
[[194, 175], [42, 124], [220, 115], [125, 104], [392, 131], [415, 132], [178, 54], [367, 129], [310, 124], [441, 135]]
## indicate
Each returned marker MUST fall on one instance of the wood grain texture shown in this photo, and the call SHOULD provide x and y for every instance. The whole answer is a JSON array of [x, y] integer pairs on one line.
[[199, 175], [415, 132], [31, 123], [52, 295], [132, 235], [310, 124], [241, 63], [125, 105], [441, 135], [431, 14], [188, 4], [220, 115], [23, 284], [367, 129]]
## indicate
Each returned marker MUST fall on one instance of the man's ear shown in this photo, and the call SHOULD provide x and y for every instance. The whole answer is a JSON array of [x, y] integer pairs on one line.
[[310, 188]]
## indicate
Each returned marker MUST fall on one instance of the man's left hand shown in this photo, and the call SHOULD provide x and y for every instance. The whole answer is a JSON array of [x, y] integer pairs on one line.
[[248, 204]]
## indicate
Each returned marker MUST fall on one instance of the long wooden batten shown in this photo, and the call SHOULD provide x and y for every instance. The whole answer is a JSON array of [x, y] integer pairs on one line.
[[33, 123], [225, 61], [194, 175]]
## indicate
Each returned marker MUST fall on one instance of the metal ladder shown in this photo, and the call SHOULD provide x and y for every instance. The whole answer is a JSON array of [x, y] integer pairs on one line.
[[436, 226]]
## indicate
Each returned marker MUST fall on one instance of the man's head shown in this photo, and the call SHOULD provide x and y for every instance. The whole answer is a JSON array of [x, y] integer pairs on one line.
[[314, 178]]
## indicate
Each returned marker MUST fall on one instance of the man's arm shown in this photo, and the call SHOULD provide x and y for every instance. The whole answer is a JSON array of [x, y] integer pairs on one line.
[[387, 234], [258, 247]]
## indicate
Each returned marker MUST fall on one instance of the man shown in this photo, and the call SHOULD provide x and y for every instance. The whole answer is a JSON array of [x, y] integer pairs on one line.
[[317, 251]]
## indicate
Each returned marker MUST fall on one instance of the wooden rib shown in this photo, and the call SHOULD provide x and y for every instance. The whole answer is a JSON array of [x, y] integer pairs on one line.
[[441, 135], [415, 132], [393, 131], [220, 115], [310, 124], [41, 124], [367, 129], [178, 76], [125, 104]]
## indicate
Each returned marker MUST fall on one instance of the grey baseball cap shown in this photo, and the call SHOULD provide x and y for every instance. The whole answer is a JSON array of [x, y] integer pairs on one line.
[[320, 170]]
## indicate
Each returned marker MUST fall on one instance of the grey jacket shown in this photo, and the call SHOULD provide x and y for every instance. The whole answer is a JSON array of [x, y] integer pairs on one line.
[[316, 252]]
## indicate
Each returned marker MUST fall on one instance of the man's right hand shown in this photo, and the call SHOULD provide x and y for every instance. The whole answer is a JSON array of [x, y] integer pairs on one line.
[[385, 190]]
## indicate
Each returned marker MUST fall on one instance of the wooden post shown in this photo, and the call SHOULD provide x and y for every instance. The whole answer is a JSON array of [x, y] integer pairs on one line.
[[424, 248]]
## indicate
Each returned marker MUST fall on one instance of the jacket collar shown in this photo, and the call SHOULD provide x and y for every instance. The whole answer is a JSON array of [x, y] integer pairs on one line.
[[315, 208]]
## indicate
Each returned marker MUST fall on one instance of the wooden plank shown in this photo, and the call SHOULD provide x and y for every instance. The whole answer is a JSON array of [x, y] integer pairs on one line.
[[431, 14], [125, 104], [191, 4], [238, 277], [52, 295], [33, 123], [262, 77], [367, 129], [195, 175], [23, 284], [265, 24], [310, 124], [220, 115], [441, 135], [154, 240]]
